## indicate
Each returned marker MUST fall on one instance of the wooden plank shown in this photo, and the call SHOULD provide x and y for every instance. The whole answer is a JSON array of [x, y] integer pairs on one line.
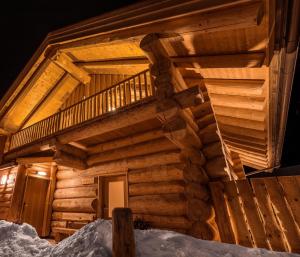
[[222, 216], [283, 213], [291, 188], [272, 228], [243, 236], [252, 215]]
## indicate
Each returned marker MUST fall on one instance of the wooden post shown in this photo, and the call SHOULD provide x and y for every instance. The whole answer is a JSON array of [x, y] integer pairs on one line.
[[123, 233]]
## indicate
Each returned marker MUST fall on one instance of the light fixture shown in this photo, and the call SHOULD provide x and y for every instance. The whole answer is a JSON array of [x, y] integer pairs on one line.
[[3, 180], [41, 173]]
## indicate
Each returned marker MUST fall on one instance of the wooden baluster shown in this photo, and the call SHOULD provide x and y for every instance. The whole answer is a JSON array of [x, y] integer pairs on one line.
[[111, 99], [140, 87], [100, 103], [134, 89], [145, 83], [115, 101], [106, 103], [120, 96]]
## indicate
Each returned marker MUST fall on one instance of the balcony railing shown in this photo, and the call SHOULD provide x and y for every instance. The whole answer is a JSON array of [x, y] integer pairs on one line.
[[124, 93]]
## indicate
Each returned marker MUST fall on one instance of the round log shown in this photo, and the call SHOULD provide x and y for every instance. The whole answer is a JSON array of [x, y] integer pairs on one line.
[[202, 230], [202, 109], [59, 224], [165, 221], [215, 167], [157, 188], [157, 145], [5, 197], [206, 120], [126, 141], [78, 192], [67, 174], [209, 134], [196, 174], [194, 190], [161, 173], [78, 205], [139, 162], [67, 183], [73, 216], [5, 204], [198, 210], [212, 150], [164, 205]]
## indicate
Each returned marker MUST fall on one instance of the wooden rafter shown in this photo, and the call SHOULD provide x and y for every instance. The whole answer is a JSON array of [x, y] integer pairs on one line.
[[42, 101], [65, 62]]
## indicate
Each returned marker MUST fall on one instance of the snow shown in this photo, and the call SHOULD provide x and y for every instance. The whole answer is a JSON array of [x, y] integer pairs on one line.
[[95, 239]]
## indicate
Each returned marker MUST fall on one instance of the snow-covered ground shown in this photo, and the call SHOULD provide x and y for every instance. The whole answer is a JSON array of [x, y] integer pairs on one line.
[[95, 239]]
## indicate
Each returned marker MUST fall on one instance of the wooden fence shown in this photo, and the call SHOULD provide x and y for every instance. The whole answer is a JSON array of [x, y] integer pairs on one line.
[[122, 94], [262, 212]]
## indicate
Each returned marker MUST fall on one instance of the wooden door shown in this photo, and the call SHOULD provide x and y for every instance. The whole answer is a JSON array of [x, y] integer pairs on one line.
[[34, 202], [114, 194]]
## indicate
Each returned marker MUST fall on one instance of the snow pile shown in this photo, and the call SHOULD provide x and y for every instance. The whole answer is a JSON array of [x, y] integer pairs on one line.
[[95, 239]]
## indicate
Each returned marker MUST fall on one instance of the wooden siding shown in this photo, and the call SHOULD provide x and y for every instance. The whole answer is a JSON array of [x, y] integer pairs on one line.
[[260, 212]]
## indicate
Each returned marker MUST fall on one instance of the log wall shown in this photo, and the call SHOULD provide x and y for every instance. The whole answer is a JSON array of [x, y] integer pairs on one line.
[[7, 182], [260, 212], [98, 83], [75, 200]]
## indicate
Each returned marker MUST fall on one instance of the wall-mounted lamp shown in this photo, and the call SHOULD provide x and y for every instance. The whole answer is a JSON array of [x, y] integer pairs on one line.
[[41, 173]]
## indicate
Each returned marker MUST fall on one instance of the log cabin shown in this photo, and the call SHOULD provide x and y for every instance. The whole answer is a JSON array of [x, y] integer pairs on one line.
[[161, 107]]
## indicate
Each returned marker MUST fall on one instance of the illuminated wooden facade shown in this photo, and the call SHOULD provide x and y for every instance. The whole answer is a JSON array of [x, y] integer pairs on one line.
[[160, 98]]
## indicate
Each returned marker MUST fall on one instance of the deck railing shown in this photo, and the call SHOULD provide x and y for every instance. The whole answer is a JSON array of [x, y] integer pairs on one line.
[[124, 93]]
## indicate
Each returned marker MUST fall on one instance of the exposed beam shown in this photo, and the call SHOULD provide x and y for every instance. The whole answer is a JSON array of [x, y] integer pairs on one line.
[[113, 62], [242, 87], [242, 123], [66, 63], [240, 113], [126, 141], [66, 159], [42, 101], [30, 160], [251, 133], [252, 103], [249, 60]]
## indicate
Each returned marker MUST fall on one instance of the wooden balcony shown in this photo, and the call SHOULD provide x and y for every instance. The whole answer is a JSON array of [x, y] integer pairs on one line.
[[121, 95]]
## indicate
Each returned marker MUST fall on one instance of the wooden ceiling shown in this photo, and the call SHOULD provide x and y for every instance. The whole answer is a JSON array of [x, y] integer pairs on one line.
[[227, 45]]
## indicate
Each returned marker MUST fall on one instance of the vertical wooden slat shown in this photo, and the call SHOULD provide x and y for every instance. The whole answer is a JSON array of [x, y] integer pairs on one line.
[[252, 215], [222, 217], [291, 188], [134, 89], [140, 87], [146, 87], [272, 228], [287, 222], [243, 236]]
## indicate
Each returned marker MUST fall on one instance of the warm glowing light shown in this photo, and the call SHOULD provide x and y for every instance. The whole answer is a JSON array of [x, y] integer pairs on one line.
[[42, 173], [3, 180]]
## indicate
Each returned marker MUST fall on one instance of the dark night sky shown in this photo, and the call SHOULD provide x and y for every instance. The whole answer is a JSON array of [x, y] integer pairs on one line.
[[24, 25]]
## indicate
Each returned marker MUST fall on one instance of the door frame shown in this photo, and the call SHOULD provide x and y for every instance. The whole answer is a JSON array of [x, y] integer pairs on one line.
[[100, 196]]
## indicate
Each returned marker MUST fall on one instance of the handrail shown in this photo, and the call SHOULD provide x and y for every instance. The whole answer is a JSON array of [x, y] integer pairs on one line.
[[119, 95]]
